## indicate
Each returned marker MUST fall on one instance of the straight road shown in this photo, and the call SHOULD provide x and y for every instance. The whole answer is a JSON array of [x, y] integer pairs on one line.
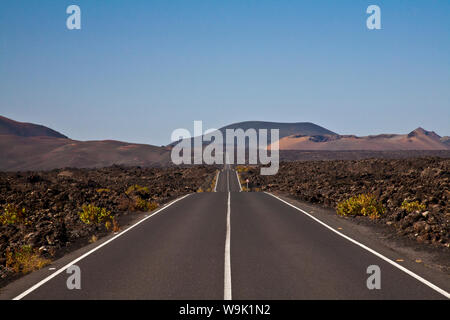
[[227, 181], [229, 245]]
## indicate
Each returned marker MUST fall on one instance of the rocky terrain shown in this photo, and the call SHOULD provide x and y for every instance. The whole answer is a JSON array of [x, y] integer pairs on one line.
[[426, 180], [312, 155], [52, 201]]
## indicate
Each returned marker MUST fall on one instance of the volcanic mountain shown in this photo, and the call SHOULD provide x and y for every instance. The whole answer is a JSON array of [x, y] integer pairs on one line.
[[22, 129], [26, 146], [446, 140], [285, 129], [418, 139]]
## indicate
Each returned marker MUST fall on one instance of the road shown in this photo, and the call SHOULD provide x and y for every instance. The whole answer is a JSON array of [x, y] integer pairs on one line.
[[228, 245]]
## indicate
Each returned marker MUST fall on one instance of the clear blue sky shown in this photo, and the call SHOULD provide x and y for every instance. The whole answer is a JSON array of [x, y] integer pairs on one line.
[[139, 69]]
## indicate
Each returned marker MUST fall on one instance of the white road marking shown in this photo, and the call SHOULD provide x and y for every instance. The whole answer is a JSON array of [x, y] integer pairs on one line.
[[217, 180], [40, 283], [227, 274], [237, 176], [379, 255], [228, 180]]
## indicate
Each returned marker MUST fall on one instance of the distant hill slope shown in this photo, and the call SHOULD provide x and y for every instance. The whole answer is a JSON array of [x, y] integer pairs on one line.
[[418, 139], [22, 129], [446, 140], [285, 129], [27, 146], [46, 153]]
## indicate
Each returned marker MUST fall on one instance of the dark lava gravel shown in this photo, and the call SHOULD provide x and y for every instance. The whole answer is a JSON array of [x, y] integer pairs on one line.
[[425, 180], [53, 199]]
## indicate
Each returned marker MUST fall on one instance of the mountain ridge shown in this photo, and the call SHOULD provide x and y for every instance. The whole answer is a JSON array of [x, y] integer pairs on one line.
[[285, 129], [25, 129], [27, 146], [418, 139]]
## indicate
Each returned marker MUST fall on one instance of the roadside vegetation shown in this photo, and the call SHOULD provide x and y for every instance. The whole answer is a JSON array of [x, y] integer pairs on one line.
[[411, 206], [25, 259], [14, 215], [139, 190], [361, 205], [140, 199], [91, 214], [243, 175], [240, 170], [210, 186], [145, 205]]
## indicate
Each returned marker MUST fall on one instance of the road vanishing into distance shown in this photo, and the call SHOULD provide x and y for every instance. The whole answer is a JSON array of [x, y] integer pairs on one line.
[[228, 244]]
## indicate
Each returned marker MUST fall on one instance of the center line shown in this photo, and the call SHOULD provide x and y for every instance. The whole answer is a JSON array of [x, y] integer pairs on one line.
[[227, 275], [228, 180]]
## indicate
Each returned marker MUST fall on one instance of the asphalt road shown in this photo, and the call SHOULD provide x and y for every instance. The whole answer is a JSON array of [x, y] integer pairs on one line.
[[228, 244]]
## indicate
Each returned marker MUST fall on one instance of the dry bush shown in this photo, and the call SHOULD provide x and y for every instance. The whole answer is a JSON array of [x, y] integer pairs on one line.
[[25, 259], [91, 214], [411, 206], [13, 215], [361, 205], [144, 205]]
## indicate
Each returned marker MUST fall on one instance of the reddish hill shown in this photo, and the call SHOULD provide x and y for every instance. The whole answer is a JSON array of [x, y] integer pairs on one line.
[[446, 140], [418, 139], [46, 153], [22, 129], [27, 146]]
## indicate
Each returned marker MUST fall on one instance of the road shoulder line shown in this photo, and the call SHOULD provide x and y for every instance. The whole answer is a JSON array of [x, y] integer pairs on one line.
[[48, 278], [239, 181], [379, 255], [217, 180]]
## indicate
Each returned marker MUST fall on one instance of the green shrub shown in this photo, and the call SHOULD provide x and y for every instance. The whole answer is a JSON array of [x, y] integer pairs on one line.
[[240, 169], [144, 205], [142, 191], [138, 194], [361, 205], [25, 260], [92, 214], [411, 206], [12, 215]]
